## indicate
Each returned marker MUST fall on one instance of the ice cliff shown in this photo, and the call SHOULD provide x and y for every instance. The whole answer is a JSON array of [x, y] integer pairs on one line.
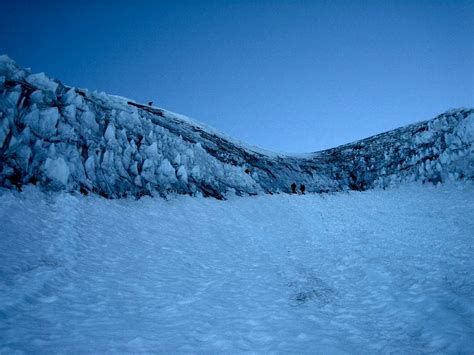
[[60, 137]]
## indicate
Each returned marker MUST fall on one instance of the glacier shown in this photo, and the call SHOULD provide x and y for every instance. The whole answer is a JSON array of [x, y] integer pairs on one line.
[[378, 271], [376, 257], [66, 138]]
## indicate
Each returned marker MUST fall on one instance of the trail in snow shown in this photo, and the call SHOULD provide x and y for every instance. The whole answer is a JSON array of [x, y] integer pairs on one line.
[[376, 271]]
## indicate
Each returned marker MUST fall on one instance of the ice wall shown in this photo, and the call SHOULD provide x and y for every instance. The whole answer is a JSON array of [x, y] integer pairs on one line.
[[61, 137]]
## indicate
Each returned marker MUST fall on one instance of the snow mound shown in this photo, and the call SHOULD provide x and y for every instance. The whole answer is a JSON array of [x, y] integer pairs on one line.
[[115, 147]]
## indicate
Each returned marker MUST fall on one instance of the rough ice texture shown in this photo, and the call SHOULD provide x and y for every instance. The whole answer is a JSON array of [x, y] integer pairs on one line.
[[67, 138]]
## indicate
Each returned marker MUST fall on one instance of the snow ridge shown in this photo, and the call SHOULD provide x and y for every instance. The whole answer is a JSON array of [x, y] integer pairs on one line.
[[64, 138]]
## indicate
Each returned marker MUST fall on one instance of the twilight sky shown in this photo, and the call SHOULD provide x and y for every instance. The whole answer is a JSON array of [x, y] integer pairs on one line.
[[290, 76]]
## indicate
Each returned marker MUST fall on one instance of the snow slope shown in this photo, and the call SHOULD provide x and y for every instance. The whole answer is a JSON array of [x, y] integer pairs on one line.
[[67, 138], [378, 271]]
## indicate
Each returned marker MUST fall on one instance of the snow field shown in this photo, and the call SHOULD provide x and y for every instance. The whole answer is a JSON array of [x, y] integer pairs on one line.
[[368, 272]]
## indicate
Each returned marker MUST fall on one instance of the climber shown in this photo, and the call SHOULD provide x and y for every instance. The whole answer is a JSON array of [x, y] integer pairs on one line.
[[150, 103], [302, 189], [293, 188]]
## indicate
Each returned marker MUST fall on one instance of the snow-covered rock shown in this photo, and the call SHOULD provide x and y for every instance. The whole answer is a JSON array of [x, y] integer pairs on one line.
[[116, 147]]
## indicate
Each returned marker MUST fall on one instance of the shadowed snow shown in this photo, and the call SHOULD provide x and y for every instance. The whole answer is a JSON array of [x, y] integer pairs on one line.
[[375, 271]]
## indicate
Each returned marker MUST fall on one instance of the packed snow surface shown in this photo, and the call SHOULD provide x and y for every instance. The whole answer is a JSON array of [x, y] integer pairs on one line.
[[359, 272]]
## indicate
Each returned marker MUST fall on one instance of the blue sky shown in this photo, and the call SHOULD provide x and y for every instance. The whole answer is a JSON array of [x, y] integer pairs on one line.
[[292, 76]]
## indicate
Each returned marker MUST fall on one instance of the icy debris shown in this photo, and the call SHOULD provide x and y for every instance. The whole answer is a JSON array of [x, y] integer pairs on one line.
[[196, 172], [166, 169], [110, 133], [152, 151], [4, 130], [424, 137], [42, 122], [5, 59], [69, 112], [148, 170], [117, 147], [36, 97], [41, 81], [8, 66], [182, 174], [87, 123], [57, 170], [13, 98], [465, 130], [48, 118], [22, 156], [31, 118]]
